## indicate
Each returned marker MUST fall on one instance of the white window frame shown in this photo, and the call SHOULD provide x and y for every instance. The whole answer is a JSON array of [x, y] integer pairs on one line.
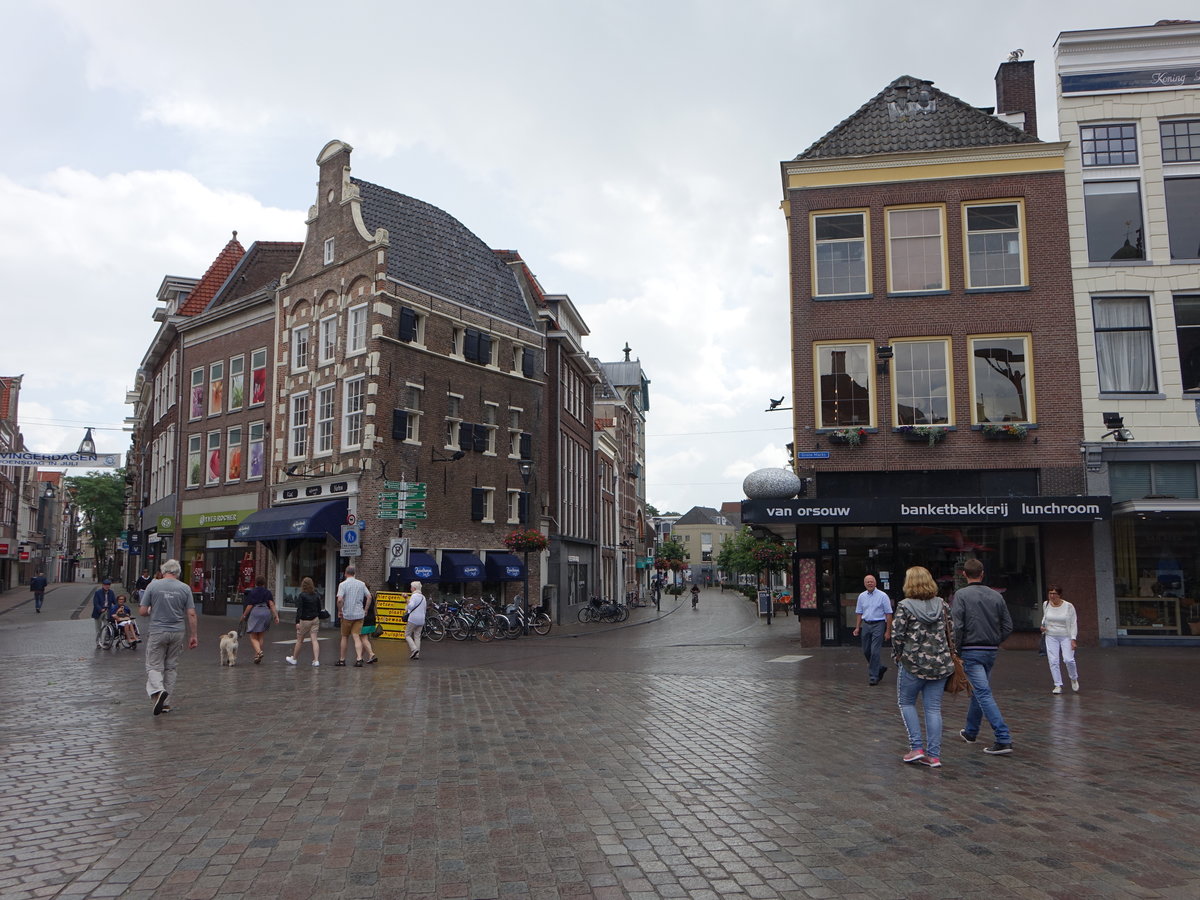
[[301, 348], [327, 252], [256, 366], [514, 506], [354, 412], [240, 376], [356, 329], [233, 441], [489, 504], [197, 386], [326, 403], [491, 415], [195, 460], [413, 392], [327, 344], [216, 387], [213, 446], [256, 434], [514, 432], [173, 379], [453, 420], [298, 426]]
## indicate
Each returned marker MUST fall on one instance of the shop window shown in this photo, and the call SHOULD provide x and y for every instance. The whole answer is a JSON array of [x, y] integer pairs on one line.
[[1112, 213], [1124, 345], [197, 411], [298, 427], [1155, 575], [916, 257], [233, 454], [257, 457], [921, 382], [356, 329], [212, 470], [994, 245], [1187, 333], [1109, 145], [1180, 141], [237, 383], [195, 461], [844, 385], [840, 254], [216, 388], [1138, 480], [1183, 216], [258, 377], [299, 348], [324, 431], [354, 397], [1001, 379]]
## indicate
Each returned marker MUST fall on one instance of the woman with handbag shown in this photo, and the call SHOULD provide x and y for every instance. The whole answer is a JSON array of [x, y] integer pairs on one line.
[[308, 622], [414, 619], [1060, 629], [922, 638]]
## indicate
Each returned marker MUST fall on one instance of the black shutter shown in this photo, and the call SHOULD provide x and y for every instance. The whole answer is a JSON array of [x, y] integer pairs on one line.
[[528, 363], [466, 436], [523, 507], [478, 498], [485, 349], [481, 439], [399, 424], [408, 324], [526, 446], [471, 345]]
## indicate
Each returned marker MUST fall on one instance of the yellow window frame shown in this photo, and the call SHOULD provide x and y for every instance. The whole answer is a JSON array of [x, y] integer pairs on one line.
[[872, 382], [1022, 229], [887, 240], [813, 215], [1029, 387], [948, 343]]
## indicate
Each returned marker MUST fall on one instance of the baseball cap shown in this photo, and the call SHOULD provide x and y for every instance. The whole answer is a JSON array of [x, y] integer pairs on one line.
[[107, 581]]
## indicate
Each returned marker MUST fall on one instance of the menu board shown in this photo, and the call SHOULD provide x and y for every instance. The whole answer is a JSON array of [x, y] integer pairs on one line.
[[389, 609]]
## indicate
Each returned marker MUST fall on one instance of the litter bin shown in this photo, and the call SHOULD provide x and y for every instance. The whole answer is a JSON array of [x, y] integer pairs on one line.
[[212, 605]]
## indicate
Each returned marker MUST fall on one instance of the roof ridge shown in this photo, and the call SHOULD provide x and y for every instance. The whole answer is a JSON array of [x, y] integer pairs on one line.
[[206, 288]]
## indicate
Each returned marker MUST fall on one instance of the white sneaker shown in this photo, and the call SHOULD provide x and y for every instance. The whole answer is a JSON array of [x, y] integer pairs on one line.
[[315, 663], [1075, 685], [291, 661], [1057, 689]]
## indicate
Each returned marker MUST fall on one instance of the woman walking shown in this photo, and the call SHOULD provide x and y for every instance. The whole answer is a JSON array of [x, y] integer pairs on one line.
[[308, 622], [416, 620], [922, 636], [258, 615], [1061, 628]]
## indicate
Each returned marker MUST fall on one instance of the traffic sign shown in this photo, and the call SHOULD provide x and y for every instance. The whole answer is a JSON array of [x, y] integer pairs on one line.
[[350, 545]]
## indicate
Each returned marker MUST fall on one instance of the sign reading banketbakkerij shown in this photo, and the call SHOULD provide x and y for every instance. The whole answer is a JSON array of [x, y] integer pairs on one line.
[[62, 460], [902, 510]]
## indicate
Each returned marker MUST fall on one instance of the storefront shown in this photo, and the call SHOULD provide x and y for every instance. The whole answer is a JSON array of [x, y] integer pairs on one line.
[[461, 573], [1156, 568], [216, 563], [841, 540]]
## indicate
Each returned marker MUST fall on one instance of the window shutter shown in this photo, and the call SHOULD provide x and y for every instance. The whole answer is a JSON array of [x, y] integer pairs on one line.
[[485, 349], [471, 345], [528, 362], [478, 497], [466, 436], [523, 507], [526, 445], [408, 324], [399, 424]]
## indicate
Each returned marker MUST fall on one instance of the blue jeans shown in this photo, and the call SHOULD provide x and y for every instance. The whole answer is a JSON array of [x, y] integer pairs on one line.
[[872, 640], [908, 686], [978, 666], [38, 596]]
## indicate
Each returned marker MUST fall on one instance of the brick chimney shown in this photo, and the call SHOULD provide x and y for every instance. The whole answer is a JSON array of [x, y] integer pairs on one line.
[[1015, 94]]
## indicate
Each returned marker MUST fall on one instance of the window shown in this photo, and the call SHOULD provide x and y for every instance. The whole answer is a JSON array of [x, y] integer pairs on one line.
[[172, 378], [844, 385], [233, 454], [354, 397], [299, 348], [915, 258], [474, 346], [410, 399], [1108, 145], [216, 388], [453, 419], [412, 326], [257, 458], [212, 471], [921, 382], [994, 253], [1124, 345], [327, 258], [356, 330], [1001, 373], [840, 254], [1138, 480], [1183, 216], [515, 505], [1180, 141], [258, 377], [482, 504], [1112, 212], [1187, 332], [324, 434], [298, 444], [514, 432], [237, 383], [197, 393], [195, 463], [456, 342], [491, 412], [328, 343]]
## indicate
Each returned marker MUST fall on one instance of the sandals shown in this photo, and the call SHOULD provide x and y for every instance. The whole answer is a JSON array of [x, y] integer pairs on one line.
[[257, 658], [373, 659]]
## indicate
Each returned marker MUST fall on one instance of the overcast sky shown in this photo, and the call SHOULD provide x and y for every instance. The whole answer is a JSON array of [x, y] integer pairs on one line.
[[629, 150]]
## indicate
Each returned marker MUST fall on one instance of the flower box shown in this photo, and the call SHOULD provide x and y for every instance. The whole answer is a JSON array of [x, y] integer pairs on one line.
[[922, 434], [849, 436], [1005, 432]]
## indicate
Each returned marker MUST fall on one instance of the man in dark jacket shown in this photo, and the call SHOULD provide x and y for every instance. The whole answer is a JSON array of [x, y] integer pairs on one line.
[[981, 623], [37, 584], [103, 602]]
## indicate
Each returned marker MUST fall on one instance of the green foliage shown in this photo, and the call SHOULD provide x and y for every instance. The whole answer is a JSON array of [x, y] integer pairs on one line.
[[100, 497], [671, 551], [652, 510], [745, 554]]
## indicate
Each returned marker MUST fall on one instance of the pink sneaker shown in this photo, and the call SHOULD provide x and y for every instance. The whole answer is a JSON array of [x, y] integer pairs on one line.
[[932, 761], [913, 756]]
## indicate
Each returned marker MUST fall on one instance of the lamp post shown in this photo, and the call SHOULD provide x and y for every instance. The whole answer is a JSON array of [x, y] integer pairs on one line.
[[525, 467]]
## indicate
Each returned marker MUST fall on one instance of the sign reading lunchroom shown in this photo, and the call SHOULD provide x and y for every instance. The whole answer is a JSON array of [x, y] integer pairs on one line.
[[900, 510]]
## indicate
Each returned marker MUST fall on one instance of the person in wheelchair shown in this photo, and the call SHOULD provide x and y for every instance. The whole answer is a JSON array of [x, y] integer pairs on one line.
[[122, 618]]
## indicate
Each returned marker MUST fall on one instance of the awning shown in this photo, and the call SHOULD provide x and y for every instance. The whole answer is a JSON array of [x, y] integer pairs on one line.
[[504, 567], [421, 567], [299, 520], [461, 566]]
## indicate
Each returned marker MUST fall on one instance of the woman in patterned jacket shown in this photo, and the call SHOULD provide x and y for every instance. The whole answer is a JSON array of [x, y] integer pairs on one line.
[[921, 648]]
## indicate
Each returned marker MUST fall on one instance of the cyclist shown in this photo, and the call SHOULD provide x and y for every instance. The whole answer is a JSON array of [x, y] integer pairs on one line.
[[695, 595]]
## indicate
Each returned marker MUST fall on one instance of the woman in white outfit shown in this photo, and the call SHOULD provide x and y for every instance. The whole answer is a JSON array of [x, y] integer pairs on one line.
[[416, 620], [1061, 628]]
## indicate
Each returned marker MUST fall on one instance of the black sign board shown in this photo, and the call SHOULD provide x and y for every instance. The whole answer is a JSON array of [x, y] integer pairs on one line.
[[904, 510], [1134, 80]]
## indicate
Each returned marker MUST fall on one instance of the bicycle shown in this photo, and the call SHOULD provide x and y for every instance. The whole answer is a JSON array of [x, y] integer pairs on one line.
[[477, 621]]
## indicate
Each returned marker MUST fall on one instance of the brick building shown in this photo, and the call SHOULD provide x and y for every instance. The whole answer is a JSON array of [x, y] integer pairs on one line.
[[933, 350]]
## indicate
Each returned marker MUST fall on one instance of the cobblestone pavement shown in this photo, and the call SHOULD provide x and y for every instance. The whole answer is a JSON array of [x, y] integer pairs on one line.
[[699, 754]]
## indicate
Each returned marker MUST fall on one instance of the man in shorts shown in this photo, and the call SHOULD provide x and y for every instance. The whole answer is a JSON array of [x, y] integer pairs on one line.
[[168, 602], [353, 598]]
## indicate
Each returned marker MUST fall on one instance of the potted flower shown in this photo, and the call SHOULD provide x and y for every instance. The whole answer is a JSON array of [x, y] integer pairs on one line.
[[851, 436], [929, 434], [525, 540], [1008, 431]]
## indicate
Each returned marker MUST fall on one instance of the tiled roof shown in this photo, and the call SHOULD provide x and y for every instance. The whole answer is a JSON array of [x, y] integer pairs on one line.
[[911, 115], [432, 250], [208, 286], [259, 269], [699, 515]]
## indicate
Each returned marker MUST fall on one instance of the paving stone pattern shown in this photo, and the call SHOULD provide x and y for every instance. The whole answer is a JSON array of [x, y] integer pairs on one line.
[[670, 757]]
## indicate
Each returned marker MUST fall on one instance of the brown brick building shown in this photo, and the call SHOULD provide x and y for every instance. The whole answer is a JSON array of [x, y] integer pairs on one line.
[[936, 390]]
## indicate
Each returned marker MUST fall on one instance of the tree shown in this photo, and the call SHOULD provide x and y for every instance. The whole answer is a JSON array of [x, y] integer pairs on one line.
[[737, 553], [652, 510], [671, 555], [100, 497]]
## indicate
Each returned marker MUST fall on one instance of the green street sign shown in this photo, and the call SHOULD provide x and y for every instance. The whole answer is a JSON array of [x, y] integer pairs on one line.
[[388, 514], [389, 495], [413, 514], [415, 493], [404, 485], [389, 505], [413, 504]]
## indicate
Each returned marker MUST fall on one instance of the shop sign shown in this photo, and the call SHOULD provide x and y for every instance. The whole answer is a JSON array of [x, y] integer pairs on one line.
[[166, 523], [223, 519], [926, 510], [1133, 80], [5, 550]]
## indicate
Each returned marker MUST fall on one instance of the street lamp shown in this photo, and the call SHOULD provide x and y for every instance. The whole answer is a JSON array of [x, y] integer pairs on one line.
[[525, 467], [87, 447]]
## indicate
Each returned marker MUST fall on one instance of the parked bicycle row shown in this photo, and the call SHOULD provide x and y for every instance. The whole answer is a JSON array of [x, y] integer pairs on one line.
[[482, 619]]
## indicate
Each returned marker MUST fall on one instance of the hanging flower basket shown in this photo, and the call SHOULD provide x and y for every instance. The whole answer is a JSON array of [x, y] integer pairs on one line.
[[1005, 432], [772, 556], [922, 434], [849, 436], [526, 541]]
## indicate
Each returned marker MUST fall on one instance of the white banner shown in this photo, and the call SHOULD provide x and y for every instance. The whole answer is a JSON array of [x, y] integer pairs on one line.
[[62, 460]]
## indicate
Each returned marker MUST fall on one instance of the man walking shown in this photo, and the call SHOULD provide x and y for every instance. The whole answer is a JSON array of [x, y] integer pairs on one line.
[[873, 621], [168, 602], [37, 584], [103, 602], [353, 598], [981, 623]]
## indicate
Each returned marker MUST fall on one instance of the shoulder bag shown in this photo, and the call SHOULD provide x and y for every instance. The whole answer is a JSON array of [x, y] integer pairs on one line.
[[958, 681]]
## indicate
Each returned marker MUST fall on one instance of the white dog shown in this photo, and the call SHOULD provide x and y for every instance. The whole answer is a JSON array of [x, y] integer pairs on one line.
[[229, 645]]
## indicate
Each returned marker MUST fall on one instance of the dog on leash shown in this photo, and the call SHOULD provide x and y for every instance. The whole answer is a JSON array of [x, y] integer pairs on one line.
[[229, 645]]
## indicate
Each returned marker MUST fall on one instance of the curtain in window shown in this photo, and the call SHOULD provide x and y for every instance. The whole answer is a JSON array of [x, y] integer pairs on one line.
[[1124, 344]]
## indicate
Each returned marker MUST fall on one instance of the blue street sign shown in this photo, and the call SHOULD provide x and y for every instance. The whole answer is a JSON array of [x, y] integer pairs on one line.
[[813, 454]]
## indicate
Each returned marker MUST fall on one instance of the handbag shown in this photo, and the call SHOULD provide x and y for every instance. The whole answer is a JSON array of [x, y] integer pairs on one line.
[[957, 682], [322, 614]]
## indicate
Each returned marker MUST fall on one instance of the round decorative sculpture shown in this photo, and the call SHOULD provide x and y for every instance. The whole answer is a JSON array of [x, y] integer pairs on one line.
[[771, 484]]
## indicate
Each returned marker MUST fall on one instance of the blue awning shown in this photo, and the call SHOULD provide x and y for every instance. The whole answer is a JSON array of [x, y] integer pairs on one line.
[[461, 566], [299, 520], [504, 567], [421, 567]]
